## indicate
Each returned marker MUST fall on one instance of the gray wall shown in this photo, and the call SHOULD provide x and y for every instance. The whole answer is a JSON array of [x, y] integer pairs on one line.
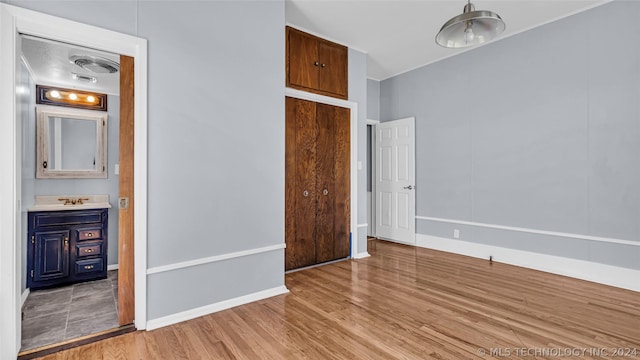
[[216, 140], [358, 93], [373, 99], [32, 186], [373, 113], [538, 131]]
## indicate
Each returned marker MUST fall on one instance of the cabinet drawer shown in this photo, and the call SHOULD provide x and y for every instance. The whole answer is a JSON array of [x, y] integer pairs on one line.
[[89, 266], [60, 218], [89, 234], [89, 249]]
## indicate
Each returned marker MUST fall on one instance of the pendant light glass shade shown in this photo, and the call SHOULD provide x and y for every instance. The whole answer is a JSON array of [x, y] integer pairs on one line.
[[470, 28]]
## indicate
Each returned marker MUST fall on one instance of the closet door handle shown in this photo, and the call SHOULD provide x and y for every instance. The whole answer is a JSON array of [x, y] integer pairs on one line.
[[315, 63], [410, 187], [321, 65], [325, 192]]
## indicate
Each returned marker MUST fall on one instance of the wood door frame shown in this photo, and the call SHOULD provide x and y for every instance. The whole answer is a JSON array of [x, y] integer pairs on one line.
[[353, 152], [14, 21]]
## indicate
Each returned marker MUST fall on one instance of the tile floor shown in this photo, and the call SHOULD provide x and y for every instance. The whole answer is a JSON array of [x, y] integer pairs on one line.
[[54, 315]]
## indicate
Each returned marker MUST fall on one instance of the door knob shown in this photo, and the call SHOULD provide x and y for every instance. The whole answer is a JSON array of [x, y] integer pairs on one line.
[[410, 187], [315, 63], [305, 193], [325, 192]]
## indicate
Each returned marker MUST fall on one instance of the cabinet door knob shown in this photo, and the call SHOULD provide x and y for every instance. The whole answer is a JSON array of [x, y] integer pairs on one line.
[[66, 241], [305, 193], [315, 63], [321, 65], [325, 192]]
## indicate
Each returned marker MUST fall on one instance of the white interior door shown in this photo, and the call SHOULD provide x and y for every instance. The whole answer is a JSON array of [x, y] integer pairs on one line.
[[395, 180]]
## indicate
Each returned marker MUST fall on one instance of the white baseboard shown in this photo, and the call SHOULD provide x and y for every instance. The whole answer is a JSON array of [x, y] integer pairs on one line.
[[25, 294], [209, 309], [112, 267], [361, 255], [580, 269]]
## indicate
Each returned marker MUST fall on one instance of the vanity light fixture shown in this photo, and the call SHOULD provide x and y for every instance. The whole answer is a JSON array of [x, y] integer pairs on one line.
[[48, 95], [472, 27]]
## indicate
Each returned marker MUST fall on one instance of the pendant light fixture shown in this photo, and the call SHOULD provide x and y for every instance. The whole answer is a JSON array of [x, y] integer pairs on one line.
[[470, 28]]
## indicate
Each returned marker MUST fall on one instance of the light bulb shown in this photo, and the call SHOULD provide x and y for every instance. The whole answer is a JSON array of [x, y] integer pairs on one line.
[[73, 96], [91, 98], [55, 94], [469, 36]]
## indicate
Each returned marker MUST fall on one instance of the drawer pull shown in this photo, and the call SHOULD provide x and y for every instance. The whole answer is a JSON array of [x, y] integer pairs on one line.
[[88, 250], [88, 267], [89, 234]]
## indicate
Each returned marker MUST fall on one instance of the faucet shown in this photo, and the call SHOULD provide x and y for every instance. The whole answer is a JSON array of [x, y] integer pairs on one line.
[[78, 201]]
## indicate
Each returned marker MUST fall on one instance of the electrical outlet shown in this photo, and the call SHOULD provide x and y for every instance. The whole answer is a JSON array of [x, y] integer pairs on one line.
[[456, 233]]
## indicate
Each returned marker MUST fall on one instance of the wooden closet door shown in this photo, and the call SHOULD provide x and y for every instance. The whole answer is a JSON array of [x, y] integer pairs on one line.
[[332, 183], [300, 183], [302, 59], [333, 68]]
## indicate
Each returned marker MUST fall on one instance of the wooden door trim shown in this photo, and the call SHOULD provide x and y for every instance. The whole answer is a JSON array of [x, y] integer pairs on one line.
[[353, 107], [126, 228]]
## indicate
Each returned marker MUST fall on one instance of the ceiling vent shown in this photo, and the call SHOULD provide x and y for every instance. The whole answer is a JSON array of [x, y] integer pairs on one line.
[[96, 65]]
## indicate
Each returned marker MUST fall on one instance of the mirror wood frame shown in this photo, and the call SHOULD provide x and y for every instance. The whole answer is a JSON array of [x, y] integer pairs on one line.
[[43, 113]]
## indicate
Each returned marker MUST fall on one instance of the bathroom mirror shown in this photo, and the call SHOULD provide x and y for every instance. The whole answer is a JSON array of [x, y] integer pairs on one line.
[[71, 143]]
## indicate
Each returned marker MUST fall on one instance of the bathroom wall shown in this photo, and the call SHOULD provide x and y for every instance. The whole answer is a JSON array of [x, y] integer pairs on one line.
[[32, 186]]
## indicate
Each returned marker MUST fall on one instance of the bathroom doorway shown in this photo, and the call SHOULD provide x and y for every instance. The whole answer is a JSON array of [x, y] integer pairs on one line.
[[61, 314], [16, 21]]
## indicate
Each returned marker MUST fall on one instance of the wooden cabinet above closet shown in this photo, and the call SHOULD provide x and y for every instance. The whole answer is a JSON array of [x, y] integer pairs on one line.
[[316, 65]]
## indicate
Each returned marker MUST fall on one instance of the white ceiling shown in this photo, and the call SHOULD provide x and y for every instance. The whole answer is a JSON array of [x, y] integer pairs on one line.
[[49, 64], [398, 35]]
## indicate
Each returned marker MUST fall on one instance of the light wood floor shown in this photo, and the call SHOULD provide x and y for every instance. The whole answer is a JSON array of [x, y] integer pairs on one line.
[[403, 303]]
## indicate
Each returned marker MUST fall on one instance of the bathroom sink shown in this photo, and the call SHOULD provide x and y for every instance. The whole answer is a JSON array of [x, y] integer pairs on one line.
[[70, 202]]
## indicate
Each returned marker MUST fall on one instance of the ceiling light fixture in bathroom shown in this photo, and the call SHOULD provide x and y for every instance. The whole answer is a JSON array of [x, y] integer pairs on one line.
[[85, 78], [97, 65]]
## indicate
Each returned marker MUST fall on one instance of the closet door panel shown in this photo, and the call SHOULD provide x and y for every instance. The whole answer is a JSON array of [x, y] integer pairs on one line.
[[342, 183], [300, 184], [302, 60], [325, 178], [333, 68]]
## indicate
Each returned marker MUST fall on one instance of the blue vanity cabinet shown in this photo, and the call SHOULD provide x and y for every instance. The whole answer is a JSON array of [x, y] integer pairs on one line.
[[51, 252], [66, 247]]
